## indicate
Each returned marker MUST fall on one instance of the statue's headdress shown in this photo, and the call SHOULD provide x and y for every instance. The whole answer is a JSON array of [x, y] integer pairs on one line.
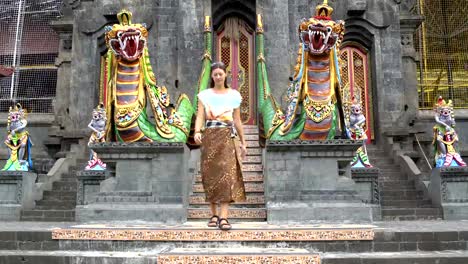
[[16, 112], [323, 11], [441, 103], [100, 110]]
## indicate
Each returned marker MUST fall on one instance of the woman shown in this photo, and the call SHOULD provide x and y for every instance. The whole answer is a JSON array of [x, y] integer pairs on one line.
[[221, 154]]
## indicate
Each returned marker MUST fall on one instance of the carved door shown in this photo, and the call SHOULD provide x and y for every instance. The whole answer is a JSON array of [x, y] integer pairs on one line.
[[355, 76], [238, 56]]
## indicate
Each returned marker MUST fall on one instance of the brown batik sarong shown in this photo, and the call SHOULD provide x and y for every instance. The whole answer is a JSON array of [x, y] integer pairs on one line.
[[221, 166]]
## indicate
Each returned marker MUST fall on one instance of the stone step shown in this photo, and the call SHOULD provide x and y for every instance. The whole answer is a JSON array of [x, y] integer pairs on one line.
[[73, 257], [251, 137], [64, 195], [254, 151], [64, 186], [48, 215], [384, 198], [252, 144], [258, 214], [238, 255], [410, 212], [397, 257], [405, 203], [252, 167], [412, 217], [248, 177], [400, 193], [55, 204], [252, 160], [250, 200], [249, 188], [396, 183]]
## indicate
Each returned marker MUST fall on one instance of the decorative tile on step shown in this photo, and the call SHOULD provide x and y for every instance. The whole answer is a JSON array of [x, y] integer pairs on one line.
[[252, 144], [252, 167], [238, 255]]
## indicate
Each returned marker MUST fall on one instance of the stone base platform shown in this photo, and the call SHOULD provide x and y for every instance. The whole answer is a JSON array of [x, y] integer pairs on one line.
[[428, 242]]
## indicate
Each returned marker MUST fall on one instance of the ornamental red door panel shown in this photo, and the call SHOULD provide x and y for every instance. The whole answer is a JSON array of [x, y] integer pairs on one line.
[[238, 56], [355, 76]]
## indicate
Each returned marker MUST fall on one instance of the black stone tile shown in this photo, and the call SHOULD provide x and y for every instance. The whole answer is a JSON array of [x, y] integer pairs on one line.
[[34, 236], [416, 236], [27, 245], [429, 246], [446, 236], [360, 246], [453, 245], [386, 247], [463, 236], [50, 245], [408, 246], [336, 247], [8, 245], [8, 236]]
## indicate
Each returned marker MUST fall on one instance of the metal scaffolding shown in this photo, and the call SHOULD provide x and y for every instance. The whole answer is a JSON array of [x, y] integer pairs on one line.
[[28, 49]]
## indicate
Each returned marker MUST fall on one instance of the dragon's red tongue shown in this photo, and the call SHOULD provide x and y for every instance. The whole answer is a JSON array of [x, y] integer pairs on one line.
[[131, 47], [317, 41]]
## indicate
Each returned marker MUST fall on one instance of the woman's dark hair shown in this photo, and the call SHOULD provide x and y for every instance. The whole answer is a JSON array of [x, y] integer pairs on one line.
[[218, 65]]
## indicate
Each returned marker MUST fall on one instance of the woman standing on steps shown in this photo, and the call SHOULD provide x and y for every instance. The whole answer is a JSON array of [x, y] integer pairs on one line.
[[221, 151]]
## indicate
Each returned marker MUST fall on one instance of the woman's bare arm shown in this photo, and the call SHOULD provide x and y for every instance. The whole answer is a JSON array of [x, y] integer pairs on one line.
[[238, 125]]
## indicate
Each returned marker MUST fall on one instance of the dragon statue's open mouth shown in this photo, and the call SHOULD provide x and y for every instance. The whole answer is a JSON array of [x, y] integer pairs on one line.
[[318, 39], [129, 44]]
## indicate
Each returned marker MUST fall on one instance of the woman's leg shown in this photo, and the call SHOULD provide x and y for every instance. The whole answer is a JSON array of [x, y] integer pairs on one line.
[[214, 218], [223, 214], [214, 208]]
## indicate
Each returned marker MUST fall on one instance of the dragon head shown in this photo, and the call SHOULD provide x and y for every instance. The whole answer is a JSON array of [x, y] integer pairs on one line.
[[126, 40], [320, 33]]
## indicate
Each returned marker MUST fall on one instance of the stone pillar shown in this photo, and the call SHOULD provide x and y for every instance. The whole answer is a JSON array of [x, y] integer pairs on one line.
[[408, 25], [277, 52], [64, 29]]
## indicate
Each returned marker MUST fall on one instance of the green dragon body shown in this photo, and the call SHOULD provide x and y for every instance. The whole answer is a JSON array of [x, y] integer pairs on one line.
[[131, 83], [313, 95]]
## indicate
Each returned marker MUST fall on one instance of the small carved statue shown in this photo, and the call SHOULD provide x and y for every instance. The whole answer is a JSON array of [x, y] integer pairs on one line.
[[18, 141], [98, 126], [355, 131], [445, 136]]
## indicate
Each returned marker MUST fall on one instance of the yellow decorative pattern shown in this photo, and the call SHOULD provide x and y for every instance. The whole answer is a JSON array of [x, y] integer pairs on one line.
[[245, 259], [215, 235]]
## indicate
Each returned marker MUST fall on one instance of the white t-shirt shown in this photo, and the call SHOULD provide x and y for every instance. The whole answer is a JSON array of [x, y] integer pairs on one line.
[[220, 106]]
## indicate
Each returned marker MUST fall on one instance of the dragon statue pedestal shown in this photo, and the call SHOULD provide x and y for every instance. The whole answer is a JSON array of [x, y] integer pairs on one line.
[[150, 183], [448, 190], [16, 193], [305, 183]]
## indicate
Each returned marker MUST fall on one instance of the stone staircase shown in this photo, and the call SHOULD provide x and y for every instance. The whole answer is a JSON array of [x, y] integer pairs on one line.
[[253, 209], [399, 198], [58, 204]]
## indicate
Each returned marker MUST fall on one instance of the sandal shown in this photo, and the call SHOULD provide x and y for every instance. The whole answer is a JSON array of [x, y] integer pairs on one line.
[[213, 221], [224, 224]]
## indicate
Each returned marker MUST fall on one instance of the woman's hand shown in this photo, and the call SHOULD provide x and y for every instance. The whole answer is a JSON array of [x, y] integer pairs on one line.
[[198, 137], [243, 151]]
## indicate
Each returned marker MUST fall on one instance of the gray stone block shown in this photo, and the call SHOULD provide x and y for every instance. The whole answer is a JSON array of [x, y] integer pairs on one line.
[[151, 187], [311, 188]]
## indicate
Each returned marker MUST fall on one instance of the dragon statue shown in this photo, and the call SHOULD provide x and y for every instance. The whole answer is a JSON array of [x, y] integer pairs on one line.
[[18, 141], [313, 97], [355, 130], [130, 83], [98, 126], [445, 136]]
